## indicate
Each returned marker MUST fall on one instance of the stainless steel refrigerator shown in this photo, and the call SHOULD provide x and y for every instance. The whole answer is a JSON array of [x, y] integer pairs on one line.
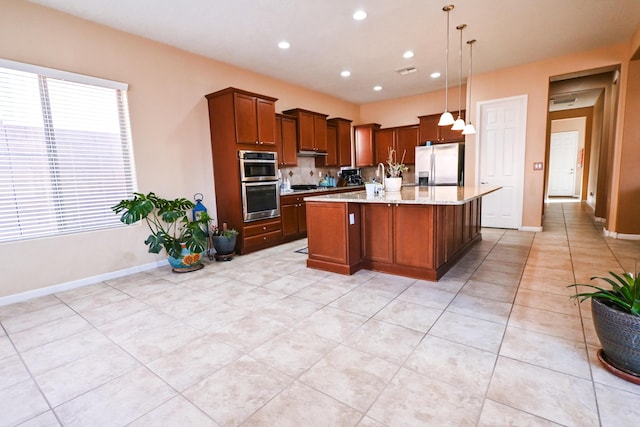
[[440, 164]]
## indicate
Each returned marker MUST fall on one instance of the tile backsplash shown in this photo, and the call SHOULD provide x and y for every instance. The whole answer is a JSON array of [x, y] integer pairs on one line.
[[306, 172]]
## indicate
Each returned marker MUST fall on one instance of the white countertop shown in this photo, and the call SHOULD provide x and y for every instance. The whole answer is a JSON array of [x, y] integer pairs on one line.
[[412, 195]]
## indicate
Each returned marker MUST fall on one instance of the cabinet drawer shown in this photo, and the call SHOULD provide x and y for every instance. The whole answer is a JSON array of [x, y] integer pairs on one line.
[[265, 227], [262, 239], [291, 200]]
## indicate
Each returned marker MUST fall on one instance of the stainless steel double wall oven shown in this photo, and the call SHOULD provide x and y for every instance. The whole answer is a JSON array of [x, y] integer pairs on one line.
[[260, 185]]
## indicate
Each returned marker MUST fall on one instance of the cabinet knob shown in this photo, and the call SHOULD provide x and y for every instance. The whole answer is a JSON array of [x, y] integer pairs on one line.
[[264, 238], [264, 228], [257, 142]]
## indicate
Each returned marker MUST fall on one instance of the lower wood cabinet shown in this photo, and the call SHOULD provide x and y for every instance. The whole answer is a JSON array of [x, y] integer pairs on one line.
[[261, 234], [294, 217]]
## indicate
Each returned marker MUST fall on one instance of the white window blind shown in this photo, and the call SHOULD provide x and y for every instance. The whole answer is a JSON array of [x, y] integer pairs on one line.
[[65, 152]]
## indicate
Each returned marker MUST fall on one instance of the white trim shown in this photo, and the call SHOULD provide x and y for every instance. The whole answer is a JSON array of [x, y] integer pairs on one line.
[[531, 228], [63, 75], [23, 296], [620, 236]]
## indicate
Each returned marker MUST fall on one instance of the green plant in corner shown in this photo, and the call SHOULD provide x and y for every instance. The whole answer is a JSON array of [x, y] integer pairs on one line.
[[168, 221], [624, 293]]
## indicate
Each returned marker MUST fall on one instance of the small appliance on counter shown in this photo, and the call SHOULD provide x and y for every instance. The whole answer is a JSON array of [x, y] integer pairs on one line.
[[350, 176]]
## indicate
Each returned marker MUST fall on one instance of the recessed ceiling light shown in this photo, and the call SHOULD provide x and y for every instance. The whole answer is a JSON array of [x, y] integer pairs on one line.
[[377, 88], [407, 54], [284, 45], [345, 73], [359, 15], [435, 75]]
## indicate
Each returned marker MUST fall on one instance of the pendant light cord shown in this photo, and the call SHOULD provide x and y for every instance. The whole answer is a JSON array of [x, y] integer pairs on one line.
[[446, 68]]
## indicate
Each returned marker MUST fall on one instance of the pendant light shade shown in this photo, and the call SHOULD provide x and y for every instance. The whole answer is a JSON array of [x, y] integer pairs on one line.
[[446, 119], [469, 129], [459, 123]]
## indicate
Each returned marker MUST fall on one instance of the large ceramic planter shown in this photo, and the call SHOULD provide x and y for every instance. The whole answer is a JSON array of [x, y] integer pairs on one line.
[[224, 245], [619, 334], [393, 184], [188, 261]]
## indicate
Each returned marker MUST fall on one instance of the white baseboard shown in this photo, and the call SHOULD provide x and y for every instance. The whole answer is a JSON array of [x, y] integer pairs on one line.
[[621, 236], [23, 296], [530, 228]]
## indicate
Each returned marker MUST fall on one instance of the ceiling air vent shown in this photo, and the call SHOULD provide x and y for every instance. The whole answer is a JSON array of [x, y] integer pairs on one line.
[[406, 70]]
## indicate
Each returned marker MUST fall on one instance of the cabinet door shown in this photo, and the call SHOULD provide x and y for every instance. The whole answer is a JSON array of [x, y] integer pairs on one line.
[[364, 135], [413, 235], [246, 119], [320, 133], [448, 135], [429, 128], [385, 139], [305, 131], [289, 154], [266, 121], [377, 226], [289, 216], [302, 218], [344, 144], [406, 142], [332, 146]]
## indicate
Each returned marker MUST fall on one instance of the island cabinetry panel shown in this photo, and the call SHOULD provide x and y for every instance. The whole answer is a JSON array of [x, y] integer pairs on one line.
[[293, 212], [377, 231], [336, 231], [286, 140], [364, 144], [311, 130], [338, 144], [403, 139], [413, 236], [430, 131]]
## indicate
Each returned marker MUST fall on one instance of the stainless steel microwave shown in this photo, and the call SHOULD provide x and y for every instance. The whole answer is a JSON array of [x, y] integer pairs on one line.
[[258, 165]]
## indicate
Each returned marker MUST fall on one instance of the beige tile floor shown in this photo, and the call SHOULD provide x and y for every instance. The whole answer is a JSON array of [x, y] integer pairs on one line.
[[264, 341]]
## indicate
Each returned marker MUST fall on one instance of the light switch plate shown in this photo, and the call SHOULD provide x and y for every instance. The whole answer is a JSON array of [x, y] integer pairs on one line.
[[537, 166], [352, 218]]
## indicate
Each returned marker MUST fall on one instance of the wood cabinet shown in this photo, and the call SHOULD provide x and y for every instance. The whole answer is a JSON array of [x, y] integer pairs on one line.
[[338, 144], [403, 139], [286, 140], [430, 131], [255, 117], [235, 116], [293, 211], [311, 130], [364, 144]]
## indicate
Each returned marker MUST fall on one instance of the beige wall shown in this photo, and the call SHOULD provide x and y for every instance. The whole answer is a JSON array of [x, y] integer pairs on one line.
[[170, 130], [171, 133]]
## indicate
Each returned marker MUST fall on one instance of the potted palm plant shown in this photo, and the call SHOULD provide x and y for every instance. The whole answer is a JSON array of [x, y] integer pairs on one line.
[[616, 317], [184, 241]]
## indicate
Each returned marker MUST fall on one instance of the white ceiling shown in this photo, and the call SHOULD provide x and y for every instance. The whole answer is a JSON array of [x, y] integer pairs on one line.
[[325, 39]]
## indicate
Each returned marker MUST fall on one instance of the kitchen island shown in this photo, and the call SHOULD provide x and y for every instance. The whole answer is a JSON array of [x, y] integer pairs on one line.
[[417, 232]]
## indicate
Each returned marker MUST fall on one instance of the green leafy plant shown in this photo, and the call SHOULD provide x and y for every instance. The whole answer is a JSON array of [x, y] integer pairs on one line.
[[168, 221], [225, 232], [624, 293]]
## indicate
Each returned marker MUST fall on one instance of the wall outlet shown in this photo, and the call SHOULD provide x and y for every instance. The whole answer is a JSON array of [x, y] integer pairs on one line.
[[537, 166], [352, 218]]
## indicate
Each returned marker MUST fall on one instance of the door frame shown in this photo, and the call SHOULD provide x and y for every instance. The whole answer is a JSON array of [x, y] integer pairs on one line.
[[522, 140]]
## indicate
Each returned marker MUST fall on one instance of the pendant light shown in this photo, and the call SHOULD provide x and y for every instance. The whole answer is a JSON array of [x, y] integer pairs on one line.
[[459, 123], [469, 129], [446, 119]]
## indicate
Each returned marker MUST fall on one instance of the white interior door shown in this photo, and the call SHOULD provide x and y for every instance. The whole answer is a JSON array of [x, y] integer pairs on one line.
[[563, 156], [501, 146]]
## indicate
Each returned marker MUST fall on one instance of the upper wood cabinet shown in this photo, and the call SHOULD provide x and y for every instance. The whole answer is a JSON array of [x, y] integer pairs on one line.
[[286, 140], [312, 130], [430, 131], [364, 141], [255, 118], [403, 139], [338, 144]]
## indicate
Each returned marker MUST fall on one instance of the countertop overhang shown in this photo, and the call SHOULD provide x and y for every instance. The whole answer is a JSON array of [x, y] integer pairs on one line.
[[412, 195]]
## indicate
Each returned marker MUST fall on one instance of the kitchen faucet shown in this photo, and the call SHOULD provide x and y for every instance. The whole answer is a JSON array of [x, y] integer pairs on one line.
[[382, 179]]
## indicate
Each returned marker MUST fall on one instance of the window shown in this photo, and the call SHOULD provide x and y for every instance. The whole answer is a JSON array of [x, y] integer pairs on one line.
[[65, 152]]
